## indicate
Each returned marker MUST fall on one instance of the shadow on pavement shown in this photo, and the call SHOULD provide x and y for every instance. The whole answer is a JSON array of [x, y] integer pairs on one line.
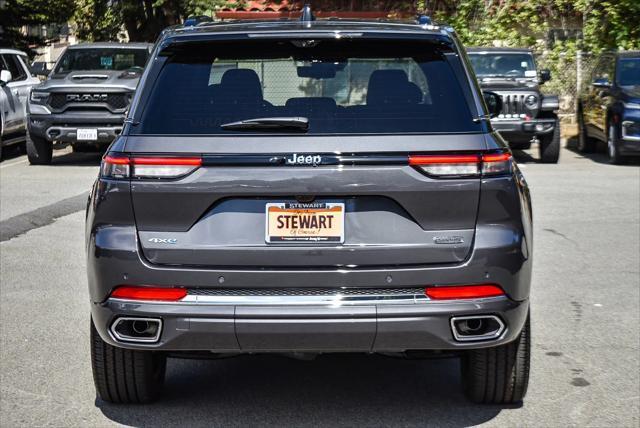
[[13, 151], [600, 155], [333, 390], [524, 157], [69, 158]]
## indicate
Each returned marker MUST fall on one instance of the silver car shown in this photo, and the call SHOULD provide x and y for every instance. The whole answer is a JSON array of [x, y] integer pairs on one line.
[[16, 81]]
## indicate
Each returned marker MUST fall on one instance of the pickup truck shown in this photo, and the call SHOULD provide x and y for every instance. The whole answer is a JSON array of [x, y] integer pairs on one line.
[[85, 98]]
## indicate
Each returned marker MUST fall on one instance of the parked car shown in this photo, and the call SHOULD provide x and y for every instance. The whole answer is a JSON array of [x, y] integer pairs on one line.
[[609, 106], [85, 97], [528, 115], [309, 187], [15, 83]]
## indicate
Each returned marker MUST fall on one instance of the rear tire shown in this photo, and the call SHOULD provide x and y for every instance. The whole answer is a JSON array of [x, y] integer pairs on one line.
[[550, 145], [39, 150], [613, 147], [585, 144], [498, 375], [126, 376]]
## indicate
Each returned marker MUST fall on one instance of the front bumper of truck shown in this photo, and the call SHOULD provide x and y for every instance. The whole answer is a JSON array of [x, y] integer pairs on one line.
[[516, 130], [64, 127]]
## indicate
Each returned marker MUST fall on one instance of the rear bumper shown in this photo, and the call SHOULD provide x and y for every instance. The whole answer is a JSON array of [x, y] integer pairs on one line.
[[382, 327], [64, 127], [521, 131]]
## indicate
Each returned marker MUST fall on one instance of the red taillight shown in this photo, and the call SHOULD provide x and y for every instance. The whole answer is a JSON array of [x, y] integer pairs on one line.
[[496, 163], [450, 292], [114, 166], [462, 165], [443, 165], [148, 293]]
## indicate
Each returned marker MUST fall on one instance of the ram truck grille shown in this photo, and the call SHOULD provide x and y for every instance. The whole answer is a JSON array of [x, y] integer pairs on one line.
[[114, 102]]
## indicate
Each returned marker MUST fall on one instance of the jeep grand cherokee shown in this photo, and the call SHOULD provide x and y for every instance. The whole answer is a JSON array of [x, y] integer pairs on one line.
[[309, 187]]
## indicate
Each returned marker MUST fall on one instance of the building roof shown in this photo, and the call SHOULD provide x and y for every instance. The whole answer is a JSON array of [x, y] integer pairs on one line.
[[261, 9]]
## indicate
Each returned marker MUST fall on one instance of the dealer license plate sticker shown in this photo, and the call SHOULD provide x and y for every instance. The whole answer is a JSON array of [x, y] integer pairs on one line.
[[294, 222], [85, 134]]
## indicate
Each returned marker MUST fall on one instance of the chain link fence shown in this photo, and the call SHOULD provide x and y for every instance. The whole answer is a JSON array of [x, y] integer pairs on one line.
[[569, 74]]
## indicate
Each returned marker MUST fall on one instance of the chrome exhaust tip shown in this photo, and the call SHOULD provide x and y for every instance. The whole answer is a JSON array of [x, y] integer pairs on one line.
[[476, 328], [142, 330]]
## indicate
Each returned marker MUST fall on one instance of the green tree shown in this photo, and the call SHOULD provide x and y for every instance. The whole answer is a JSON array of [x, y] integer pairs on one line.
[[605, 24], [17, 13], [143, 20]]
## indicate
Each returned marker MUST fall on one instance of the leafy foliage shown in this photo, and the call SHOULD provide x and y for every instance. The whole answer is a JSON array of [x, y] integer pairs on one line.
[[604, 24], [16, 13]]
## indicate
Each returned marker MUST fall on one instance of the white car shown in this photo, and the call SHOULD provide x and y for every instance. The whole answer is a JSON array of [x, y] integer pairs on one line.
[[16, 81]]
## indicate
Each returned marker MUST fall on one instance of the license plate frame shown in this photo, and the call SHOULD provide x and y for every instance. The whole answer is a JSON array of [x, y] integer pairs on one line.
[[333, 212], [87, 134]]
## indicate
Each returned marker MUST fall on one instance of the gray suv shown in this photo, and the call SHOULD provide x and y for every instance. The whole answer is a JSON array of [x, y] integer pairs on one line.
[[85, 98], [305, 187]]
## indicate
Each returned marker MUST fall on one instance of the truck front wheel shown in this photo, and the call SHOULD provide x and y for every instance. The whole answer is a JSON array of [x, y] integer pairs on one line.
[[550, 145], [39, 150]]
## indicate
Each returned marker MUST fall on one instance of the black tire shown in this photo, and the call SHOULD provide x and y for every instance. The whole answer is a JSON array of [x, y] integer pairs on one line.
[[126, 376], [585, 144], [550, 145], [613, 145], [498, 375], [39, 150]]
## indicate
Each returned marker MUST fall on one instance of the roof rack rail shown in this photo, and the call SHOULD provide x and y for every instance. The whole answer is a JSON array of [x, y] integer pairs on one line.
[[192, 21]]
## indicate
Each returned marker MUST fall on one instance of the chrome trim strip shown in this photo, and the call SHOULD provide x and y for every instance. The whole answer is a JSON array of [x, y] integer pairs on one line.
[[332, 301], [490, 336], [624, 132], [123, 338]]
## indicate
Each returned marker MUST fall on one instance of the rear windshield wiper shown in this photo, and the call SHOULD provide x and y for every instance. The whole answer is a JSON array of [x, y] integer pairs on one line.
[[297, 123]]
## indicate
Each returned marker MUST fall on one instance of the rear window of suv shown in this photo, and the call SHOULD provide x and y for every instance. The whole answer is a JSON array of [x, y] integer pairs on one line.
[[340, 86]]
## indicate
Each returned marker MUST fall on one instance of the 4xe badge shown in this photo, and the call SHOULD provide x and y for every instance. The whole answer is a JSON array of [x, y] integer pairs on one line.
[[297, 159], [163, 240]]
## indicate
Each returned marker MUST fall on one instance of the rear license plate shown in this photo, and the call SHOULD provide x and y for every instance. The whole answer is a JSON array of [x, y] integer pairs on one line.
[[300, 223], [87, 134]]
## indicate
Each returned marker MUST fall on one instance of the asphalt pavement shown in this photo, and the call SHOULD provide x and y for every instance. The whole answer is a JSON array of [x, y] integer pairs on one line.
[[585, 323]]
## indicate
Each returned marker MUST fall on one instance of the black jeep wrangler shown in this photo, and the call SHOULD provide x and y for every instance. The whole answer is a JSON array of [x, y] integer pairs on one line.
[[528, 116]]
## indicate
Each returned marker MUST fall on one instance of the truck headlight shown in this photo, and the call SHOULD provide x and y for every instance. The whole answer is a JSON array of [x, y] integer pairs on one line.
[[39, 97], [531, 101]]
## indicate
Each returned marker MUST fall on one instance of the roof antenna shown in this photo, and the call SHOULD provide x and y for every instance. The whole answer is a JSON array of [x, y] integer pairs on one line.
[[307, 16]]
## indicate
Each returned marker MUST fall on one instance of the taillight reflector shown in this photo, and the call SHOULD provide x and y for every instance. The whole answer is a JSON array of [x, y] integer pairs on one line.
[[442, 159], [149, 293], [451, 292], [443, 165], [462, 165], [496, 163], [148, 167]]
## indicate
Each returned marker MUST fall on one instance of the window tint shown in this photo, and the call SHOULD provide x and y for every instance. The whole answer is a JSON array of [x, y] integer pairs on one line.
[[341, 87], [16, 69], [628, 72], [101, 59], [502, 64]]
